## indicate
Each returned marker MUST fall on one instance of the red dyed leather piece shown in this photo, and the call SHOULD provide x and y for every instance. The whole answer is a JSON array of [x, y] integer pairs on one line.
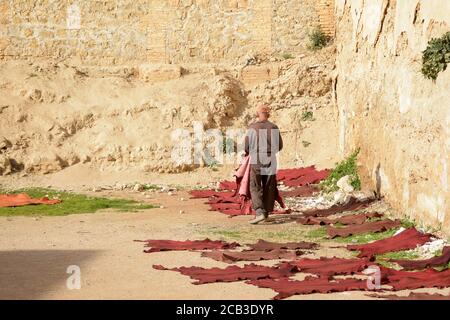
[[375, 226], [312, 178], [408, 239], [402, 280], [287, 288], [238, 212], [263, 245], [438, 261], [412, 296], [352, 219], [330, 266], [301, 176], [295, 173], [305, 191], [353, 205], [233, 273], [19, 200], [250, 255], [290, 177], [199, 194], [173, 245], [228, 185]]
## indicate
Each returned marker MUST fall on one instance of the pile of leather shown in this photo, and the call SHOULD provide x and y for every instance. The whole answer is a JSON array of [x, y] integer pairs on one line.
[[226, 200]]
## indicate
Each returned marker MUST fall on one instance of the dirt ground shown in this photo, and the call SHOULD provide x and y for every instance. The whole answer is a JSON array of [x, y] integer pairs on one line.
[[35, 252]]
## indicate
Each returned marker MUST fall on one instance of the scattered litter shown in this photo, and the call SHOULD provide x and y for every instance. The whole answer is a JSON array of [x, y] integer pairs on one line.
[[429, 250]]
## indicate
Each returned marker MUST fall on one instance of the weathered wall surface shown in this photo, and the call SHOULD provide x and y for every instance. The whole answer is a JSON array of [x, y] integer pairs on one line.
[[118, 32], [400, 120]]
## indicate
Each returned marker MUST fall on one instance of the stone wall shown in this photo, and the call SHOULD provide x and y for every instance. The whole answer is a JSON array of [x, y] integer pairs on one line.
[[399, 119], [124, 32], [325, 10]]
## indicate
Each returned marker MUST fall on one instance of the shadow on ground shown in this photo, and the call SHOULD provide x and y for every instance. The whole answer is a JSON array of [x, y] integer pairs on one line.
[[29, 274]]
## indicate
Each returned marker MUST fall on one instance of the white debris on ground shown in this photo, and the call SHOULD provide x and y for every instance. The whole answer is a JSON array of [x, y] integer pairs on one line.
[[344, 185], [430, 249], [309, 203], [326, 200]]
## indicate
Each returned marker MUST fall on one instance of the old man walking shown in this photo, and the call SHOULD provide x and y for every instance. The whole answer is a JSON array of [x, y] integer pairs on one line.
[[262, 142]]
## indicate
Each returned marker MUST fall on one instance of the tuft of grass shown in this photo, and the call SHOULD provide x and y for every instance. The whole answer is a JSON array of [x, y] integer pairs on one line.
[[317, 39], [306, 144], [447, 266], [251, 235], [307, 116], [367, 237], [148, 187], [287, 56], [407, 223], [319, 233], [399, 255], [72, 203], [347, 167], [436, 56]]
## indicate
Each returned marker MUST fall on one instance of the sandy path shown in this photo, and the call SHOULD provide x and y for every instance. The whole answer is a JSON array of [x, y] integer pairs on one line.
[[35, 253]]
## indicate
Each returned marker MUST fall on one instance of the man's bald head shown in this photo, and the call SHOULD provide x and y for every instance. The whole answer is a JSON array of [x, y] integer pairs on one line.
[[263, 112]]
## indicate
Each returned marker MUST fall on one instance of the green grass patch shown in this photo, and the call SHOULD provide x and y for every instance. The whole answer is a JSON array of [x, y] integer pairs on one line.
[[367, 237], [252, 235], [287, 56], [436, 56], [443, 267], [319, 233], [307, 116], [407, 223], [149, 187], [72, 203], [347, 167], [399, 255], [317, 39]]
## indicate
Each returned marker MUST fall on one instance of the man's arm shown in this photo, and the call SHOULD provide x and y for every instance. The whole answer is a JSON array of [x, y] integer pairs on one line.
[[280, 140], [246, 145]]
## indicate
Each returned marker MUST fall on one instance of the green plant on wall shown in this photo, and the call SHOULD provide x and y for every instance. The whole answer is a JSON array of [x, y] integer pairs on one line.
[[317, 39], [347, 167], [436, 56]]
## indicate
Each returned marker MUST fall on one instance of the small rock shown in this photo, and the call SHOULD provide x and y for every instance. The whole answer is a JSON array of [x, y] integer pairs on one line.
[[183, 199], [138, 187], [182, 212], [344, 184], [161, 207]]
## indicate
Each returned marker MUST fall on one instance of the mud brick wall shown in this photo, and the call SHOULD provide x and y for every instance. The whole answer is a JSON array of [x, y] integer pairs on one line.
[[121, 32], [400, 120], [325, 10]]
